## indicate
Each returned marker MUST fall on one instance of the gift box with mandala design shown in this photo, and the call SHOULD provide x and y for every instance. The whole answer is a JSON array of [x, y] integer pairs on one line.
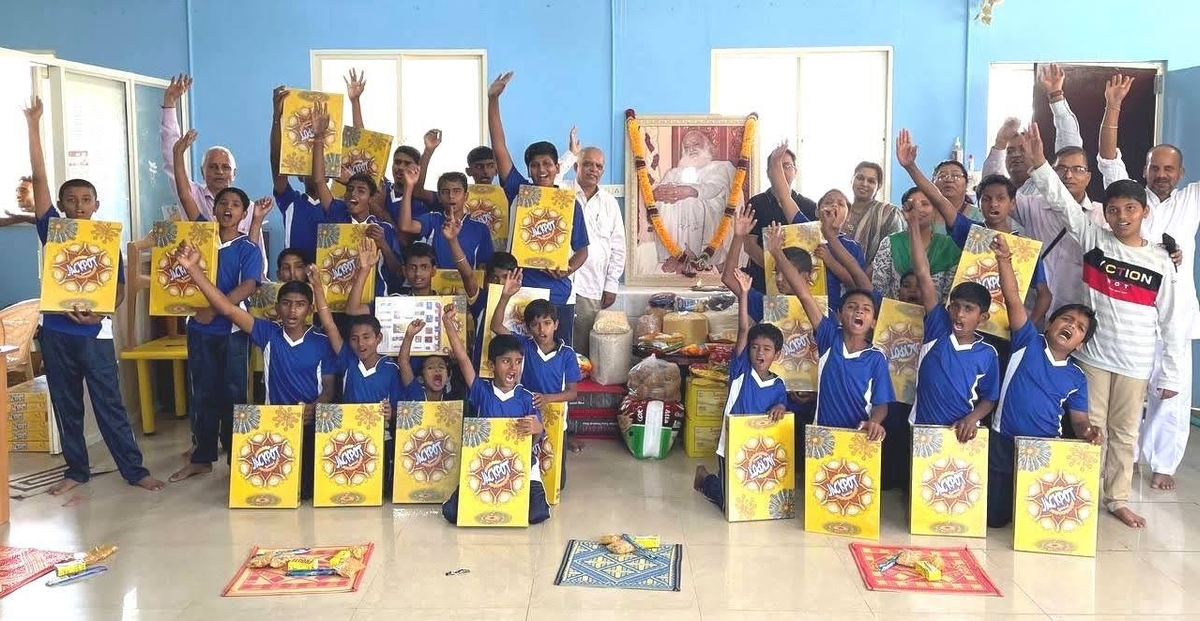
[[841, 482], [1057, 496], [349, 455], [949, 483], [760, 468], [172, 290], [266, 457], [80, 265], [428, 451], [493, 485], [298, 135]]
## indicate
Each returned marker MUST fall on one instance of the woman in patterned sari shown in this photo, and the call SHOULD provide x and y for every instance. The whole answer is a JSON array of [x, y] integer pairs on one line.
[[892, 260], [869, 220]]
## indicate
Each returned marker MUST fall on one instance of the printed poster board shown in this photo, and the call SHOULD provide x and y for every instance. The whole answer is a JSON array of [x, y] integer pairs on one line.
[[349, 455], [493, 486], [1057, 496], [841, 482], [428, 450], [949, 483], [267, 457], [760, 468]]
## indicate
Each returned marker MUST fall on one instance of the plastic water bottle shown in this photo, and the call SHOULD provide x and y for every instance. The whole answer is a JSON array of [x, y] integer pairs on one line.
[[957, 153]]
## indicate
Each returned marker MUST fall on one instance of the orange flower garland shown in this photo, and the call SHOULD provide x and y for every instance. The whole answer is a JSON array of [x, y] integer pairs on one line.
[[691, 265]]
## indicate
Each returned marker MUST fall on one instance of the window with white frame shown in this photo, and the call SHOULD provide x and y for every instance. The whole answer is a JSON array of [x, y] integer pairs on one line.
[[411, 92], [833, 106]]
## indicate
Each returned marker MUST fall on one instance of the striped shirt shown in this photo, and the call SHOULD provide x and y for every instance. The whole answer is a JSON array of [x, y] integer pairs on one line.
[[1131, 288]]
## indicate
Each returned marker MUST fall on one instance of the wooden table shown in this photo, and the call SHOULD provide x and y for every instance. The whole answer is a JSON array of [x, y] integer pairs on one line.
[[4, 350]]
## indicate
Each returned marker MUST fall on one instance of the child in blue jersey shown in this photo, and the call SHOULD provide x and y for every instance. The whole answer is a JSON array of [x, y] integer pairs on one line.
[[292, 265], [77, 345], [217, 351], [502, 397], [298, 360], [481, 165], [958, 374], [743, 223], [1042, 377], [405, 158], [853, 385], [753, 389], [541, 158], [429, 381], [473, 239], [497, 272]]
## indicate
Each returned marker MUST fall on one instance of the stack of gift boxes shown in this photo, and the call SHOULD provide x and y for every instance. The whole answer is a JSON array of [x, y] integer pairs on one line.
[[29, 416], [704, 405], [593, 413]]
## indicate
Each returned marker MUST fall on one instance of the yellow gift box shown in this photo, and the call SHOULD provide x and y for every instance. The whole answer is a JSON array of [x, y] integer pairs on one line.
[[80, 263], [1057, 496], [338, 247], [541, 227], [978, 264], [760, 468], [487, 203], [550, 457], [367, 152], [704, 400], [267, 457], [450, 282], [841, 482], [395, 313], [797, 364], [806, 236], [514, 317], [172, 291], [428, 450], [295, 146], [349, 455], [493, 485], [949, 483], [900, 332]]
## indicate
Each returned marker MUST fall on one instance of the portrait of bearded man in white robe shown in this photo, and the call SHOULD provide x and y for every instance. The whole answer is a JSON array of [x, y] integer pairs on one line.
[[691, 196]]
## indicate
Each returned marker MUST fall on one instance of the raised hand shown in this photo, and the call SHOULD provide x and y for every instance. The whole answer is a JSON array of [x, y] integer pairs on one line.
[[450, 319], [368, 255], [1050, 77], [356, 83], [414, 327], [744, 280], [744, 221], [906, 150], [433, 139], [512, 283], [187, 255], [263, 206], [774, 238], [778, 151], [1116, 89], [33, 112], [1000, 247], [411, 175], [451, 228], [1009, 130], [178, 86], [498, 85], [320, 120], [911, 217], [185, 141], [1032, 146], [314, 277], [280, 94], [573, 140]]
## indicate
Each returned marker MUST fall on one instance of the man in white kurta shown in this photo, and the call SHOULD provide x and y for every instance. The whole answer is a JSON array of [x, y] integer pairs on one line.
[[691, 196]]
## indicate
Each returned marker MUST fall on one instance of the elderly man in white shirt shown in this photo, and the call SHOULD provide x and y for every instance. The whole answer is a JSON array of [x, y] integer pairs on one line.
[[597, 280], [1174, 212], [1062, 255], [218, 168]]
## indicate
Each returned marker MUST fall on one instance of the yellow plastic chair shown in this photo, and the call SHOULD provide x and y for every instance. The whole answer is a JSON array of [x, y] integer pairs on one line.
[[17, 325], [172, 347]]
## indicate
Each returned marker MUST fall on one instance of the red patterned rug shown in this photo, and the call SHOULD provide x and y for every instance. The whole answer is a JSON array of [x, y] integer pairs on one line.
[[962, 574], [250, 582], [20, 566]]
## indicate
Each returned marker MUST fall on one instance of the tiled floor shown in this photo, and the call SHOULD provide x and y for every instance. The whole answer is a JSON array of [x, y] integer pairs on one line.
[[180, 547]]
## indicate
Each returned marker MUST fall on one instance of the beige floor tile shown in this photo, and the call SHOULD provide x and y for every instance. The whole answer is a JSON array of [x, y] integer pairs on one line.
[[746, 615], [774, 578], [596, 614], [1112, 583], [500, 577], [493, 614], [987, 616]]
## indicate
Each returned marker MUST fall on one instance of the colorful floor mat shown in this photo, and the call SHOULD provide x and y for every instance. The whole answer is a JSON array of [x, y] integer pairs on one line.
[[962, 574], [20, 566], [589, 564], [251, 582]]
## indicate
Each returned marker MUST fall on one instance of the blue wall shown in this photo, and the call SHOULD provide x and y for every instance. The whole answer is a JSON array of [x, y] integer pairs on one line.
[[142, 36]]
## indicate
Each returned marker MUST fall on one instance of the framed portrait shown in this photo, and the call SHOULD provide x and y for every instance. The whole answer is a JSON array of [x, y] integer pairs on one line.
[[691, 161]]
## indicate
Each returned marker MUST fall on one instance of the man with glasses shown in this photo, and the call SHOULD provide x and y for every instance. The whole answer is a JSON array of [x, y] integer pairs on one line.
[[768, 210], [1173, 212], [869, 220]]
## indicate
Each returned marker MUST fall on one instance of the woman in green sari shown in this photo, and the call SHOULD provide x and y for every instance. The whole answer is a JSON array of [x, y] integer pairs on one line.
[[893, 261]]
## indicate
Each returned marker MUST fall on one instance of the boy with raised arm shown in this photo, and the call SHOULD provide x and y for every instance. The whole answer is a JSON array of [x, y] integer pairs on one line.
[[541, 158], [473, 239], [78, 345], [1130, 285]]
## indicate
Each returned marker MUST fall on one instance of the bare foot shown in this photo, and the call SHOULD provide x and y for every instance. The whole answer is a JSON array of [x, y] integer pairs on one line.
[[1131, 519], [150, 483], [189, 470], [698, 482], [1162, 481], [64, 486], [574, 444]]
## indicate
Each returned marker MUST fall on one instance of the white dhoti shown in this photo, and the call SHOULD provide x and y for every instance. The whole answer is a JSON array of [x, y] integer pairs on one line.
[[1165, 429]]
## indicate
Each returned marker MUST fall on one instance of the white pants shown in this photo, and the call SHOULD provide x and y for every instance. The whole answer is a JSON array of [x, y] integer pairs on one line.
[[1165, 429]]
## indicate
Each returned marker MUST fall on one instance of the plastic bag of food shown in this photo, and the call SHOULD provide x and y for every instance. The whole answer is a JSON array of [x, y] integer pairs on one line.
[[722, 325], [721, 301], [585, 366], [662, 300], [611, 355], [690, 305], [648, 324], [611, 322], [653, 378], [693, 327], [649, 427]]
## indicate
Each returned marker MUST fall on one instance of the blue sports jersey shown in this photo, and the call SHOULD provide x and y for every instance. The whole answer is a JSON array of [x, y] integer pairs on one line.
[[834, 286], [962, 228], [849, 384], [238, 260], [59, 322], [952, 378], [478, 308], [1036, 387], [394, 198], [548, 373], [560, 288], [475, 238], [373, 385], [754, 305], [490, 402], [292, 370], [338, 213], [749, 393], [301, 215]]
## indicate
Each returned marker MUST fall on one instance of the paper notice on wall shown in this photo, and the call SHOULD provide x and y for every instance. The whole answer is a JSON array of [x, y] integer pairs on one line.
[[77, 164]]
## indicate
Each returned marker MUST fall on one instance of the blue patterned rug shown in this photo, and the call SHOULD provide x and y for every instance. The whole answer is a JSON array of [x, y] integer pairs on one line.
[[589, 564]]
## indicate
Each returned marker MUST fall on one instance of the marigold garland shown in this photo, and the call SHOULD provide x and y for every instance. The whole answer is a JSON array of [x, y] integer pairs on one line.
[[691, 265]]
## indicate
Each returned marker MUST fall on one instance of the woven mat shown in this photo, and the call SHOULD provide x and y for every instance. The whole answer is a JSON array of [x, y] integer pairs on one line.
[[962, 574], [250, 582]]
